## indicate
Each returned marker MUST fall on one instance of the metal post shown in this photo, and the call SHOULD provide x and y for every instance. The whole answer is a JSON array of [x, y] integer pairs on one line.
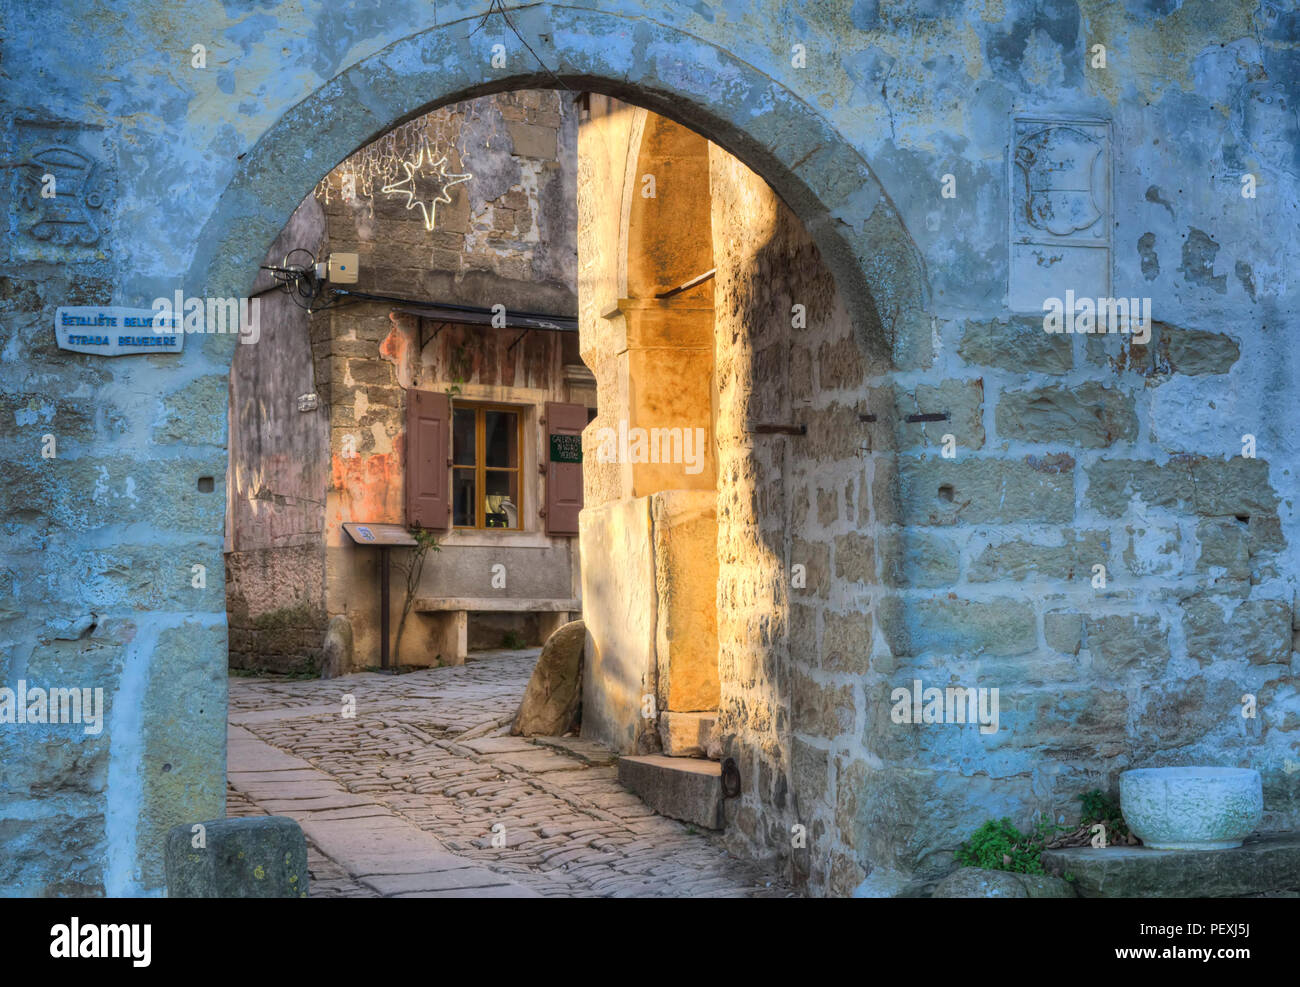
[[383, 609]]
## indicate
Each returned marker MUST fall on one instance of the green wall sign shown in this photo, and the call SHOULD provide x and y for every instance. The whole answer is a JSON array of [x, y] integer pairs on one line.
[[566, 448]]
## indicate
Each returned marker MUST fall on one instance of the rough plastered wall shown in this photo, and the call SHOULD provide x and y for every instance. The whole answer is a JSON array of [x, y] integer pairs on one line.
[[506, 238], [279, 469], [196, 168]]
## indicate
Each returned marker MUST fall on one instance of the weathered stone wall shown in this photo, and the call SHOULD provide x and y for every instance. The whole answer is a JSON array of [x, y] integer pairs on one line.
[[279, 470], [198, 168], [1124, 596], [795, 644], [506, 238]]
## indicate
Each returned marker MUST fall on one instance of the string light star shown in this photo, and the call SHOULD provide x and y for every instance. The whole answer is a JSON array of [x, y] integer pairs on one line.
[[426, 184]]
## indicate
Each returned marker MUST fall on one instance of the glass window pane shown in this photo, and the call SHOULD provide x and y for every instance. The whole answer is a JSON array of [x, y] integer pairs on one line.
[[501, 442], [501, 499], [462, 497], [463, 448]]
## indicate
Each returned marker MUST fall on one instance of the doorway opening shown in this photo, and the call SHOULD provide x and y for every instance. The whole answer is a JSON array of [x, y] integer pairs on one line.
[[778, 717]]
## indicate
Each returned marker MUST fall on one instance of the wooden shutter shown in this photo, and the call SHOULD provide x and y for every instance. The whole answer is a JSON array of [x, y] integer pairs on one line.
[[563, 479], [428, 438]]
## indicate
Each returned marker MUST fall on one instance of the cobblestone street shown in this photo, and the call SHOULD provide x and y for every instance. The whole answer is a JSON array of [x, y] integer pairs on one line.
[[416, 795]]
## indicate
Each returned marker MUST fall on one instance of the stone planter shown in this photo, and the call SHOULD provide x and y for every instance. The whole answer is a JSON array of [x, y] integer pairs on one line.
[[1191, 808]]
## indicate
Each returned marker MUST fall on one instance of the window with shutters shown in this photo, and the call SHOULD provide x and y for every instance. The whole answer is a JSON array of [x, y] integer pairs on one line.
[[486, 451]]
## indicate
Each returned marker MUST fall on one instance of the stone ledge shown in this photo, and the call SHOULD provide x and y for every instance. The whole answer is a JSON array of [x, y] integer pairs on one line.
[[1262, 864], [683, 788]]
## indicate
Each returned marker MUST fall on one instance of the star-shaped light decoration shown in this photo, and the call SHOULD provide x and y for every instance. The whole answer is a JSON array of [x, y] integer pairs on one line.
[[425, 184]]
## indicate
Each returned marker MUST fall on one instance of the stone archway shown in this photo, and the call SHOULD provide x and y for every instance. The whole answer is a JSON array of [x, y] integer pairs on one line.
[[814, 169]]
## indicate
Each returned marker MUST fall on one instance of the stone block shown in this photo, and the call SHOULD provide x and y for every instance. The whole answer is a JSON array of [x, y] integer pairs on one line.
[[1114, 483], [1063, 631], [254, 857], [1088, 415], [1238, 487], [1260, 865], [1078, 721], [532, 141], [1020, 345], [683, 788], [1170, 350], [936, 491], [1183, 712], [954, 626], [809, 769], [840, 364], [554, 691], [815, 557], [183, 754], [855, 558], [962, 400], [92, 492], [820, 709], [1020, 558], [1224, 629], [1194, 351], [365, 372], [685, 533], [1225, 544], [1121, 642], [919, 559], [55, 855], [846, 641]]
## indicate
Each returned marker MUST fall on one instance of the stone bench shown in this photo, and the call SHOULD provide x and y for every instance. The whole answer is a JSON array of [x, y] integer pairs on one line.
[[255, 857], [450, 636], [1269, 863]]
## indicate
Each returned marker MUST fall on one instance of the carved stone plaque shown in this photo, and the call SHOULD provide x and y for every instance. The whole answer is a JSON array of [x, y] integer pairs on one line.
[[61, 192], [1059, 174]]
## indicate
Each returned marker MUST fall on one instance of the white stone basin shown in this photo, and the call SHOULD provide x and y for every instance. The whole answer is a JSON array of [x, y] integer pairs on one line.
[[1191, 808]]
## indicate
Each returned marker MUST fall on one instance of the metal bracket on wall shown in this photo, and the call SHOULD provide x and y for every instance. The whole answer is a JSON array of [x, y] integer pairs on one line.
[[864, 446], [777, 429], [424, 342], [687, 285], [929, 416]]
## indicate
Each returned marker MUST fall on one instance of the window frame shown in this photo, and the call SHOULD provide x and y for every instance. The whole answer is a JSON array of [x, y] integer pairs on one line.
[[481, 468]]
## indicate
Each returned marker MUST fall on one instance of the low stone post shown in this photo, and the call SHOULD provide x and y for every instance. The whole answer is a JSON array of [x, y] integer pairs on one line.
[[255, 857]]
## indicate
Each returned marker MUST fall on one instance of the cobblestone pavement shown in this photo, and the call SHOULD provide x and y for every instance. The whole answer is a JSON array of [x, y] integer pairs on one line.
[[415, 794]]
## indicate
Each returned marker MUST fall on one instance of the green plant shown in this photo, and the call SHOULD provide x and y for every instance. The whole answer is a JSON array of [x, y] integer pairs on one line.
[[1098, 807], [425, 541], [512, 641], [998, 845]]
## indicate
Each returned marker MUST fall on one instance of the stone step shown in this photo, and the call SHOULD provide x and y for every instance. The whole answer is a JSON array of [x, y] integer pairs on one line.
[[683, 788], [690, 734], [1262, 864]]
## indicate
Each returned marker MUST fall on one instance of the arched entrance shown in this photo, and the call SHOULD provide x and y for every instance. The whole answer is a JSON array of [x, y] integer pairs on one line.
[[813, 168], [816, 171]]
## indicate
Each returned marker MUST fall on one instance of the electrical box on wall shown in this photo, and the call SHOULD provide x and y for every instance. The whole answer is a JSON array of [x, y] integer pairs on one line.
[[343, 268]]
